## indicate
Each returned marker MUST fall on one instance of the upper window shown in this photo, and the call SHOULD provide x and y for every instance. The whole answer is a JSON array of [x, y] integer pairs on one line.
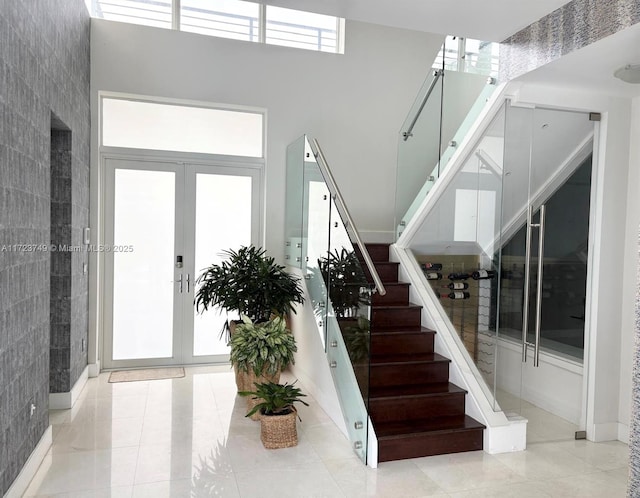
[[159, 126], [234, 19], [468, 56]]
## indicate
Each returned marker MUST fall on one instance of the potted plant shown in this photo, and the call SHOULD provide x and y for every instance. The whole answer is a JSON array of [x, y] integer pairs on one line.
[[260, 351], [343, 277], [250, 283], [275, 403]]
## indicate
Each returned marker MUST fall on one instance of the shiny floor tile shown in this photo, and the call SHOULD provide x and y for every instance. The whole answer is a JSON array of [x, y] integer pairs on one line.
[[188, 437]]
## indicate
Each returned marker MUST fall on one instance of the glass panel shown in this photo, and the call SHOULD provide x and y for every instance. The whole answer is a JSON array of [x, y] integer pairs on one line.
[[316, 218], [143, 289], [340, 295], [564, 282], [294, 28], [294, 203], [561, 180], [460, 240], [224, 18], [440, 128], [348, 324], [150, 125], [223, 221], [418, 150], [149, 13]]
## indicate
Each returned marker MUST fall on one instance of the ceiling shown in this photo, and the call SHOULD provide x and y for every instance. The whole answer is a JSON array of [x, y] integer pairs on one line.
[[489, 20], [592, 67]]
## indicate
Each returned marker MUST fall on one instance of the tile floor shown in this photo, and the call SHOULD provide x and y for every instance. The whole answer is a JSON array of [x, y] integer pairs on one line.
[[188, 438]]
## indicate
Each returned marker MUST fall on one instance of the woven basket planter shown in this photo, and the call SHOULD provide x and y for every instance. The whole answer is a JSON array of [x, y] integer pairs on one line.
[[252, 401], [246, 380], [278, 431]]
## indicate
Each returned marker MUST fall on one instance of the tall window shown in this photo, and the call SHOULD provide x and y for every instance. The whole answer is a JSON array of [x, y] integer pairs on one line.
[[236, 19]]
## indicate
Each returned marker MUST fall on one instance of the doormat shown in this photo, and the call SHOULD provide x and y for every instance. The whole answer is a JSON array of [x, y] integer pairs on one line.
[[146, 374]]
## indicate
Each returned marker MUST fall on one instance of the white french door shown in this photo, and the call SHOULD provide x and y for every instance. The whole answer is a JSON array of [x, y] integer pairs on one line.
[[165, 222]]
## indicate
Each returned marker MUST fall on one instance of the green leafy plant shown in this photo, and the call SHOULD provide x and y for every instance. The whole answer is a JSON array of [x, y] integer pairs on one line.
[[250, 283], [275, 399], [357, 338], [262, 347], [343, 276]]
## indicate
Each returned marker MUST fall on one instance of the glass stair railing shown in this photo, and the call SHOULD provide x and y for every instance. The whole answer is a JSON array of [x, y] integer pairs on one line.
[[449, 102], [323, 242]]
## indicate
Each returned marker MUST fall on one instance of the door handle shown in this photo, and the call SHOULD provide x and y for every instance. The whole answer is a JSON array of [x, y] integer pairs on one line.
[[527, 278], [188, 283], [536, 356], [179, 281]]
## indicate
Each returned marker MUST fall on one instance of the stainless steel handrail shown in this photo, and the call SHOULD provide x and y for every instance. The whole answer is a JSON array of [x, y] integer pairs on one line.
[[436, 76], [342, 207]]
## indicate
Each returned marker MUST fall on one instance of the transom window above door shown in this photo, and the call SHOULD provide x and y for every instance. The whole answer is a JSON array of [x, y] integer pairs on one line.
[[141, 124]]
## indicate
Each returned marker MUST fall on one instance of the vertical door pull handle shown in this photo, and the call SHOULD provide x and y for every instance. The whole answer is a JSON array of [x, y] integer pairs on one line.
[[188, 283], [536, 356], [527, 279]]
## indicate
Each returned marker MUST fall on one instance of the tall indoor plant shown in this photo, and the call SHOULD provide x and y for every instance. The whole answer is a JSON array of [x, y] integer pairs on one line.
[[250, 283]]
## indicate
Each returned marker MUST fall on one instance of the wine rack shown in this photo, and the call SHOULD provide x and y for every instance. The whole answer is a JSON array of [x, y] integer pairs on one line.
[[470, 316]]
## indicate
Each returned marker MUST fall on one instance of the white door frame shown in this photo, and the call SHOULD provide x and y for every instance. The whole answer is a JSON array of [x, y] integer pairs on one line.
[[219, 164]]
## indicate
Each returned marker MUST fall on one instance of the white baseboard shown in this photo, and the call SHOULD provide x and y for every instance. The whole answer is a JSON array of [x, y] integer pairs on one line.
[[32, 465], [623, 433], [506, 438], [94, 369], [64, 401], [599, 433], [372, 446]]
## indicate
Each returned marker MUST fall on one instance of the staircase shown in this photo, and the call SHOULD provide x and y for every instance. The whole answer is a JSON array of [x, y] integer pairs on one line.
[[415, 410]]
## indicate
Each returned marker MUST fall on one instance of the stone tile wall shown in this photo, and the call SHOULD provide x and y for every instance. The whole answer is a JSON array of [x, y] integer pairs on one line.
[[44, 69], [571, 27]]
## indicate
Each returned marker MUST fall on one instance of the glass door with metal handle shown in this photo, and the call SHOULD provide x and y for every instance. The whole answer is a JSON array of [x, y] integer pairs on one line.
[[171, 221], [543, 275]]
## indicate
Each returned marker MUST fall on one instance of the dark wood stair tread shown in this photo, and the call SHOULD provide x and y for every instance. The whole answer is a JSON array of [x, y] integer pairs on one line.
[[397, 430], [403, 332], [389, 359], [396, 306], [432, 389]]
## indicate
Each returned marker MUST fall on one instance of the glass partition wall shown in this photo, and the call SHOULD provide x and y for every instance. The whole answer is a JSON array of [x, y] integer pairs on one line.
[[442, 114], [319, 242], [504, 249]]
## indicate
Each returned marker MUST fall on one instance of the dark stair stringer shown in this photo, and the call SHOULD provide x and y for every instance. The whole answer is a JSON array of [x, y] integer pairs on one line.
[[415, 410]]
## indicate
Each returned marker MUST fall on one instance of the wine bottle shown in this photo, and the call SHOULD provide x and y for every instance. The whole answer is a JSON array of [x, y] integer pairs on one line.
[[433, 275], [458, 276], [431, 266], [483, 274], [457, 295], [458, 285]]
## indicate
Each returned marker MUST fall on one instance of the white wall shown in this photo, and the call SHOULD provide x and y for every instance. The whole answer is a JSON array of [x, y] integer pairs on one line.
[[629, 277], [354, 104]]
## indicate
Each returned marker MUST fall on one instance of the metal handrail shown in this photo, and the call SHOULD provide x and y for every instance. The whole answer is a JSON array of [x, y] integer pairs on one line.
[[436, 76], [337, 196]]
